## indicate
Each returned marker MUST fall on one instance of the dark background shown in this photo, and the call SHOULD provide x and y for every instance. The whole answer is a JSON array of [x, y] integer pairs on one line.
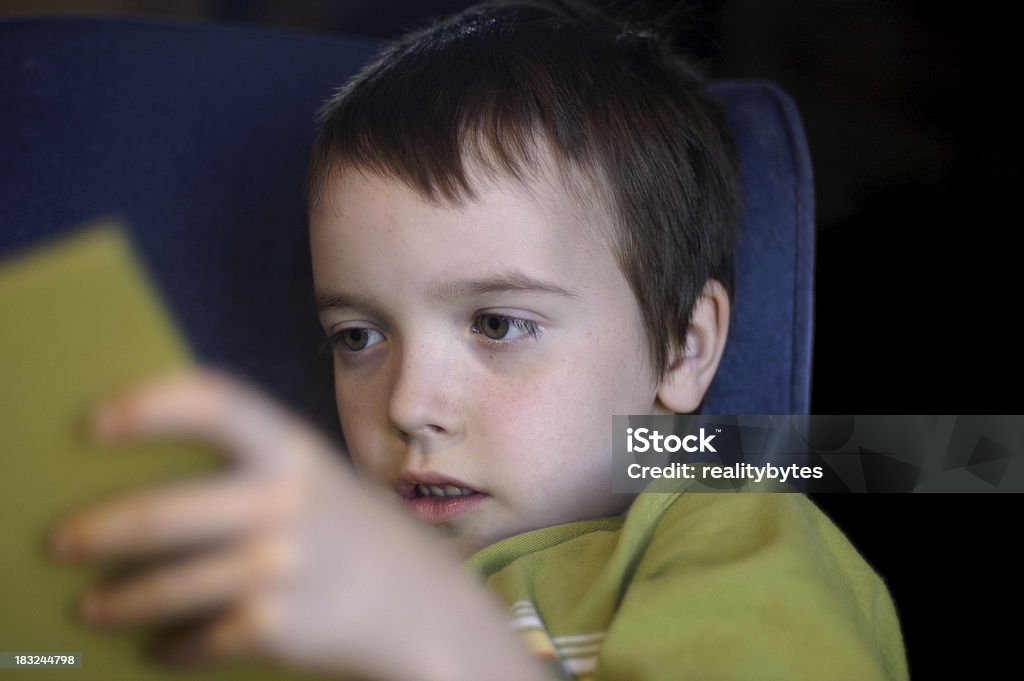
[[906, 108]]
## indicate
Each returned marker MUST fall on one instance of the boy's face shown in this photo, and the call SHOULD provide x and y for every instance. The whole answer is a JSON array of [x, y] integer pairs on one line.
[[479, 351]]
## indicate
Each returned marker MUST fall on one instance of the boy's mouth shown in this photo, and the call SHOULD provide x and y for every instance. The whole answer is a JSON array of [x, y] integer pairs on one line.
[[422, 490], [418, 485], [437, 499]]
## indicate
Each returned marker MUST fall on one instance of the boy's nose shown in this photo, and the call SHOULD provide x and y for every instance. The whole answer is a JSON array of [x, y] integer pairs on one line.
[[421, 403]]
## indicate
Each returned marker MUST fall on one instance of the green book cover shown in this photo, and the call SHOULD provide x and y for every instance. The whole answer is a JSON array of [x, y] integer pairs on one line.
[[79, 321]]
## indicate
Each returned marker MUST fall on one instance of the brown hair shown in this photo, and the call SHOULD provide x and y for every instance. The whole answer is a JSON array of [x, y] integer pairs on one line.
[[612, 102]]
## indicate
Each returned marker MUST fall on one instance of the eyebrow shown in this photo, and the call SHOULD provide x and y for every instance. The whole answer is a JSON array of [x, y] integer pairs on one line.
[[513, 282]]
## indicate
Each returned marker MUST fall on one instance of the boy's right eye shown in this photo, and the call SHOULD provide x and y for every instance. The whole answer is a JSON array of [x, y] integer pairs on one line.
[[356, 339]]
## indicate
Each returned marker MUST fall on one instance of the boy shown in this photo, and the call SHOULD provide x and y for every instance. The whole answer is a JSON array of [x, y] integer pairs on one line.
[[522, 222]]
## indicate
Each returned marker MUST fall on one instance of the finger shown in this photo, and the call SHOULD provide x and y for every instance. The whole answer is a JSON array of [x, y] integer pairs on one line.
[[190, 588], [209, 406], [236, 633], [173, 518]]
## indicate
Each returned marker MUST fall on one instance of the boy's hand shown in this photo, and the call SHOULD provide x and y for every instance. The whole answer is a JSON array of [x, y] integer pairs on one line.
[[286, 554]]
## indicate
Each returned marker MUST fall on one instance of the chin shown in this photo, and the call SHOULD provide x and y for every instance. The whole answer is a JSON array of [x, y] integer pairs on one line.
[[463, 547]]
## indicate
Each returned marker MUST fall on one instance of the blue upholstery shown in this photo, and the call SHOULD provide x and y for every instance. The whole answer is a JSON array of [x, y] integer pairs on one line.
[[766, 368], [197, 136]]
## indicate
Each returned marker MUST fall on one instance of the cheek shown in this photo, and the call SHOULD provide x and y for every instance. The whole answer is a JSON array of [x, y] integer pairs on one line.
[[359, 413], [548, 418]]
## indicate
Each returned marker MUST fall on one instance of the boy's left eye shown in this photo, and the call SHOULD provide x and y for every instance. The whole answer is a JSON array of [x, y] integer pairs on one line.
[[500, 327]]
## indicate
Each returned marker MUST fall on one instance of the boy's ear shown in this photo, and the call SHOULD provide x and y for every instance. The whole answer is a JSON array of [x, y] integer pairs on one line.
[[692, 367]]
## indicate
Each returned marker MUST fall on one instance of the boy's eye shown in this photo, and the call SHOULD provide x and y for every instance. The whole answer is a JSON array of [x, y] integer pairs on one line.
[[500, 327], [493, 326], [355, 340]]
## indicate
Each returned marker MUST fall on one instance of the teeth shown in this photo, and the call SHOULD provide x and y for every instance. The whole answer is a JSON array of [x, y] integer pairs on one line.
[[442, 491]]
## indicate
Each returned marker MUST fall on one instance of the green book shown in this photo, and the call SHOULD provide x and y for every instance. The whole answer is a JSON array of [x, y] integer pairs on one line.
[[79, 321]]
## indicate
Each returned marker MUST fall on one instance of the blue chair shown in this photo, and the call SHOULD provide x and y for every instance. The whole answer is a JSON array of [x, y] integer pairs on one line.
[[197, 137]]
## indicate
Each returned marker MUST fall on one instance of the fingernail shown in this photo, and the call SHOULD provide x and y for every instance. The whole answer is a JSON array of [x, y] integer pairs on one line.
[[65, 545], [105, 423], [92, 608]]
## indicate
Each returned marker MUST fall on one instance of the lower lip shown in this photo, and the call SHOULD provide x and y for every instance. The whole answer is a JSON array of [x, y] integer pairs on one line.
[[443, 509]]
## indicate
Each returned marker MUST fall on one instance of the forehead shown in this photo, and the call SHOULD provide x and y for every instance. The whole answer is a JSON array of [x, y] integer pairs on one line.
[[541, 224]]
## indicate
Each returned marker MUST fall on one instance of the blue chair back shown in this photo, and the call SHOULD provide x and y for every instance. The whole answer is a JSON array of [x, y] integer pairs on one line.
[[197, 136]]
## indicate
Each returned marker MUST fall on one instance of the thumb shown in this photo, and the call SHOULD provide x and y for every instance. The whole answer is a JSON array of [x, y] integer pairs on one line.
[[213, 407]]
